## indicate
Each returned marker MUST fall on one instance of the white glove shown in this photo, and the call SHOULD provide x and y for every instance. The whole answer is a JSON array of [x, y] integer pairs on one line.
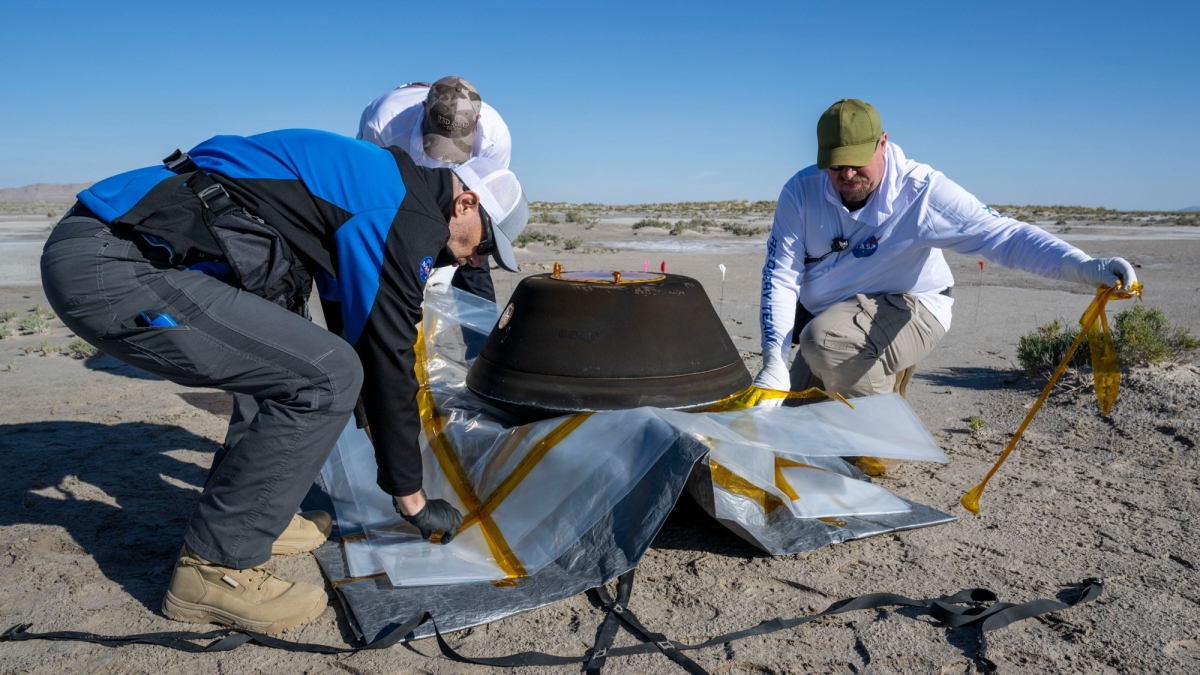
[[774, 373], [1084, 269], [439, 281]]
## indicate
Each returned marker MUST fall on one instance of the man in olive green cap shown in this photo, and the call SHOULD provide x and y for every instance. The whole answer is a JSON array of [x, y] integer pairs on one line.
[[855, 252]]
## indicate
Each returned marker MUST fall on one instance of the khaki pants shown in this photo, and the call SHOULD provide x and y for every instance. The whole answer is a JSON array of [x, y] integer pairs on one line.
[[858, 346]]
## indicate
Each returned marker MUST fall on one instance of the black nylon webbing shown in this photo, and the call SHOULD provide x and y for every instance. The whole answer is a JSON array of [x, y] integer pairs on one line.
[[963, 609], [225, 639], [660, 641], [608, 629]]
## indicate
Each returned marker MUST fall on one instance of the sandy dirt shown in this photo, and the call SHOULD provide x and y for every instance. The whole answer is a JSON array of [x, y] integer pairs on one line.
[[102, 465]]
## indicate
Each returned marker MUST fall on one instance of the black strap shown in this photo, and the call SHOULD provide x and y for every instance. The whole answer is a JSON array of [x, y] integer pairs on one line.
[[211, 193], [608, 629], [225, 639], [180, 162], [660, 641], [966, 608]]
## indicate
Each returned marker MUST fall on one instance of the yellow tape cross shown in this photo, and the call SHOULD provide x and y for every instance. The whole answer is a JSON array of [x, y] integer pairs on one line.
[[434, 426], [525, 466]]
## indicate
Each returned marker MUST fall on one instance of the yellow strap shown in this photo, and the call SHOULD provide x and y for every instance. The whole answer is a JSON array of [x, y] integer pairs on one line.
[[526, 465], [1106, 372], [752, 396], [1106, 366], [434, 425], [782, 483], [731, 482]]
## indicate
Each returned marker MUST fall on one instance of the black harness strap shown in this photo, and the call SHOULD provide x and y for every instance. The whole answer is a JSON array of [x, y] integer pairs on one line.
[[608, 629], [966, 608], [621, 610], [210, 192], [229, 638], [1001, 614]]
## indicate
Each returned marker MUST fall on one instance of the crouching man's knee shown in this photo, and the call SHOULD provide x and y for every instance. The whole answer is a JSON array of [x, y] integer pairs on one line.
[[341, 379], [837, 352]]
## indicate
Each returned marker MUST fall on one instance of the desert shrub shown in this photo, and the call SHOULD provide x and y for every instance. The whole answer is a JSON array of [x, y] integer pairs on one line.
[[651, 222], [545, 217], [695, 224], [1142, 335], [977, 423], [7, 315], [741, 230], [572, 243], [532, 236], [1041, 351], [80, 349], [34, 323], [6, 331], [42, 312], [49, 349], [574, 216]]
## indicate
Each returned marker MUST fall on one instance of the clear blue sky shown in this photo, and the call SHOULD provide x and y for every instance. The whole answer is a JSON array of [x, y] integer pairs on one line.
[[1090, 103]]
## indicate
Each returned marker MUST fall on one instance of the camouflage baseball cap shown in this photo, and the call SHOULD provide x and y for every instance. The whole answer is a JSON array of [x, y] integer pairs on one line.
[[847, 134], [451, 113]]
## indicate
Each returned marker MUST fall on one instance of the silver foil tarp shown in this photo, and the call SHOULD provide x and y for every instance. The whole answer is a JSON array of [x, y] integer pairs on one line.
[[562, 505]]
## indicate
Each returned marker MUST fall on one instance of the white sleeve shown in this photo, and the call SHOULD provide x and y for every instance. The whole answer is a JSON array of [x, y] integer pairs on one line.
[[496, 144], [379, 123], [781, 273], [956, 220], [367, 130], [372, 121]]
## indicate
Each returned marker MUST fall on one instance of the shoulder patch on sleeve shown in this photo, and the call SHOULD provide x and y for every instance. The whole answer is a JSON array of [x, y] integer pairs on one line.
[[426, 268]]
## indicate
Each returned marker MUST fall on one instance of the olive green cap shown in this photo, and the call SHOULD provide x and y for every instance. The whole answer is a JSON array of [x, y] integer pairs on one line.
[[847, 134]]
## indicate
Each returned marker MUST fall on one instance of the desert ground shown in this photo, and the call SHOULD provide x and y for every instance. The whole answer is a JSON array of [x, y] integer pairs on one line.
[[103, 463]]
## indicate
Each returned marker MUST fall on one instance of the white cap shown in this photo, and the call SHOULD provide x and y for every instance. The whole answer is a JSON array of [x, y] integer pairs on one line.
[[501, 196]]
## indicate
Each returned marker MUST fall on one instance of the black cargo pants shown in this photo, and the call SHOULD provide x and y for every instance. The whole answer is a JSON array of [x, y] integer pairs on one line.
[[304, 379]]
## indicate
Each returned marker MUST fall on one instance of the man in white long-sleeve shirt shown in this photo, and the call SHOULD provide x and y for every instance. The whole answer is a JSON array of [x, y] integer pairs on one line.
[[441, 125], [857, 242]]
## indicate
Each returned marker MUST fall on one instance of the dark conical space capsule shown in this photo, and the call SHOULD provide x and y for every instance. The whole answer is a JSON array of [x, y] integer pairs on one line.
[[590, 341]]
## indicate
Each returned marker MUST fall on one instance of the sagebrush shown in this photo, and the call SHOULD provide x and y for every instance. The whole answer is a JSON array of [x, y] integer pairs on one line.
[[1143, 336]]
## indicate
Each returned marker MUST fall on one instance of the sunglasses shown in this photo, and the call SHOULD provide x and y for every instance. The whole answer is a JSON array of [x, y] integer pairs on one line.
[[487, 245]]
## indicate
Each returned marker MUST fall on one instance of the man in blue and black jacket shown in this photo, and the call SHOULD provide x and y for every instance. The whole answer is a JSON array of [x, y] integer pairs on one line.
[[199, 271]]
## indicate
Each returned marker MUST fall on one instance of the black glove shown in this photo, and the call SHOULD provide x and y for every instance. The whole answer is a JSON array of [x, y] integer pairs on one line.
[[437, 516]]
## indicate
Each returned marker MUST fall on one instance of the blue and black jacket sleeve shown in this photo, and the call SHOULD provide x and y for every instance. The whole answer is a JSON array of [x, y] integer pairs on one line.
[[384, 259], [389, 392]]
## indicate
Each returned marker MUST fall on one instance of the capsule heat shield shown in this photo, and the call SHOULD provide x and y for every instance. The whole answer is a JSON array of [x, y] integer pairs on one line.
[[592, 341]]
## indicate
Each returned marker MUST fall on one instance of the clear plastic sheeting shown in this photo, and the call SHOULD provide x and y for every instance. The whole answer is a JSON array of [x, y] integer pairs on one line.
[[529, 493]]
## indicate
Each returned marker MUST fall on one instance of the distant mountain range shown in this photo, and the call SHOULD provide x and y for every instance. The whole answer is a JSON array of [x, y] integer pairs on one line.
[[1191, 208], [43, 192]]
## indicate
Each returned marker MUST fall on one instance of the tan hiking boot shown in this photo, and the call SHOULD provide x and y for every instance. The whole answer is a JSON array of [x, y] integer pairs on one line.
[[250, 599], [306, 532]]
